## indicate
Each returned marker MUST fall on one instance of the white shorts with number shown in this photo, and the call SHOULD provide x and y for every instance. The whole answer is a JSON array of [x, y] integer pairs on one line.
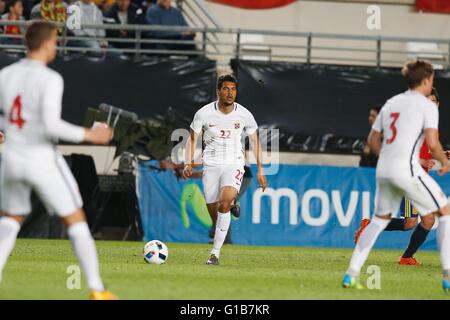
[[217, 177], [421, 189], [48, 176]]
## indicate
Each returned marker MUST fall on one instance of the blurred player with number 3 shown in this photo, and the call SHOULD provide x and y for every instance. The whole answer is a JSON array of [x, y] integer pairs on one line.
[[222, 124], [404, 122]]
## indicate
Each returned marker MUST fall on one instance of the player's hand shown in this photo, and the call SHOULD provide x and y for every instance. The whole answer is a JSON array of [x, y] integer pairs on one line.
[[166, 165], [429, 164], [2, 137], [187, 171], [447, 153], [444, 169], [99, 135], [262, 181]]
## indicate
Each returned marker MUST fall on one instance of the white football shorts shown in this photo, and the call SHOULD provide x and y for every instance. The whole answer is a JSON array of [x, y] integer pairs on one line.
[[50, 178], [217, 177], [422, 190]]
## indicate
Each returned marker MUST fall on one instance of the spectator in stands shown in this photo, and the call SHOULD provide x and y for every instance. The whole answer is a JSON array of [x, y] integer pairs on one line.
[[104, 5], [90, 14], [13, 12], [123, 12], [50, 10], [368, 158], [28, 5], [163, 13], [2, 6], [144, 4]]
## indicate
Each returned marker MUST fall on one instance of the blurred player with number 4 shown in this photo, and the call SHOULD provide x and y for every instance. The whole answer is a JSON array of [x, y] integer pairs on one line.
[[30, 99], [222, 124], [404, 122]]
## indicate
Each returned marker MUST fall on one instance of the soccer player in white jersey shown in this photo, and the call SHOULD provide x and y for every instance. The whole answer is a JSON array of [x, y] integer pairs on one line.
[[404, 122], [30, 99], [222, 124]]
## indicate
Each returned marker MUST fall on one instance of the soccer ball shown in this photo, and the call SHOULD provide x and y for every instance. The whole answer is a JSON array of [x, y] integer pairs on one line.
[[155, 252]]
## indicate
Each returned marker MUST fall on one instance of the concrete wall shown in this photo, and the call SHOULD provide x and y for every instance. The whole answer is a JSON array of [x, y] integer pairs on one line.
[[336, 17], [339, 18]]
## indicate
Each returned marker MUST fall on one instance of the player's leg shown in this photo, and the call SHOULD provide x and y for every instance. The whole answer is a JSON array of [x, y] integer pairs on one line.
[[418, 237], [230, 182], [227, 196], [387, 200], [428, 197], [212, 210], [406, 223], [57, 188], [235, 207], [9, 229], [211, 190], [84, 247], [443, 234], [15, 205]]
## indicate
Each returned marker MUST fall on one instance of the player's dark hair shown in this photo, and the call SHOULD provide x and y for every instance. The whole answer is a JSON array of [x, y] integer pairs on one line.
[[376, 108], [435, 94], [9, 4], [37, 33], [226, 78], [416, 71]]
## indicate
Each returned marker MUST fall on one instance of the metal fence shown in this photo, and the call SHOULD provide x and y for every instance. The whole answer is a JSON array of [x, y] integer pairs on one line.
[[223, 44]]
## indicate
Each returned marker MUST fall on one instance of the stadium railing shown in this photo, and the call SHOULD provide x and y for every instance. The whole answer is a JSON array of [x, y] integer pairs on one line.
[[224, 44]]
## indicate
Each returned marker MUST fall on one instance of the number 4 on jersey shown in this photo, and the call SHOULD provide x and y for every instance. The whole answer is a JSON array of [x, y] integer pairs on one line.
[[15, 115]]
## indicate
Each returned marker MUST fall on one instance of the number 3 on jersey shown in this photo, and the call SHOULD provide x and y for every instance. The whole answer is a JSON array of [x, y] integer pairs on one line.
[[394, 116], [15, 115]]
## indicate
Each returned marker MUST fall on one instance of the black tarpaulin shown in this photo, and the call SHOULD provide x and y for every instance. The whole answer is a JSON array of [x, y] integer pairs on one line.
[[319, 100]]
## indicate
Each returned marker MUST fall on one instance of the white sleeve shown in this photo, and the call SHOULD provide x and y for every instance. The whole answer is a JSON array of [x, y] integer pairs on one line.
[[431, 116], [79, 32], [197, 123], [250, 124], [2, 115], [55, 127], [2, 110], [378, 125]]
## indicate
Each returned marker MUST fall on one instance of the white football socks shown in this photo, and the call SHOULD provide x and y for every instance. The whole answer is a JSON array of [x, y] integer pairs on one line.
[[365, 244], [84, 248], [443, 237], [9, 228], [222, 225]]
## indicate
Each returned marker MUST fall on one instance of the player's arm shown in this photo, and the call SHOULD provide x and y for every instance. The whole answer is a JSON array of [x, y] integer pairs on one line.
[[437, 151], [57, 128], [190, 151], [375, 138], [374, 141], [255, 144], [431, 124], [2, 120]]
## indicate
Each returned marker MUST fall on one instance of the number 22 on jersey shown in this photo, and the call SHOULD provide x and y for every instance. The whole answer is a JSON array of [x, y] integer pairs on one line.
[[15, 115], [394, 116]]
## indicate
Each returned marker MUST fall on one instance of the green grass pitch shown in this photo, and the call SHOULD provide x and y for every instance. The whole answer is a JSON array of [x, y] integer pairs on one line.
[[37, 270]]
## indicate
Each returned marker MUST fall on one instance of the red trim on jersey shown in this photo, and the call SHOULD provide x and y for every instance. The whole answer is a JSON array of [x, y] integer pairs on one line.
[[252, 4], [425, 154], [442, 6]]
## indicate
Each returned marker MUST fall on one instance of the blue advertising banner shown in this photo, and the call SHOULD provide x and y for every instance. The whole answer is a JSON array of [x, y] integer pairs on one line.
[[302, 206]]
